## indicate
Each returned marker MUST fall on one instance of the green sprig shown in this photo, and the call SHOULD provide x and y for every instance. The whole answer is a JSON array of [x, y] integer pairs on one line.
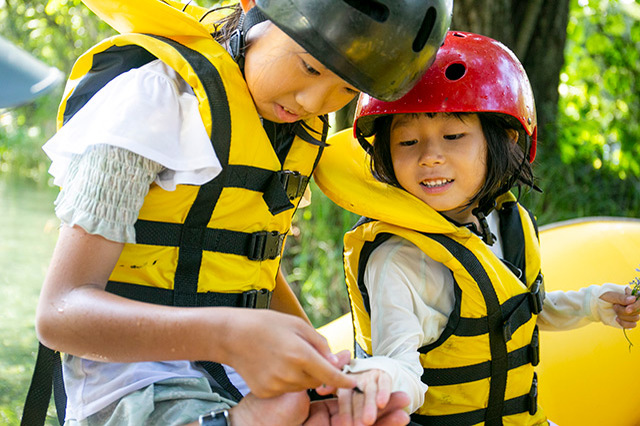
[[635, 291]]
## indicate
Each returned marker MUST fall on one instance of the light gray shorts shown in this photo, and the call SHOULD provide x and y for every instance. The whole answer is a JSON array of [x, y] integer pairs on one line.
[[169, 402]]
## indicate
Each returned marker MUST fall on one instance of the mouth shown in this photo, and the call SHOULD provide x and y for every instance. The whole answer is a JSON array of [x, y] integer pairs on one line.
[[435, 183], [286, 115]]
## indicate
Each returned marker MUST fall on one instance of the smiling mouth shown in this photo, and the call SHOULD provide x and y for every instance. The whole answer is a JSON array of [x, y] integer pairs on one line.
[[435, 183]]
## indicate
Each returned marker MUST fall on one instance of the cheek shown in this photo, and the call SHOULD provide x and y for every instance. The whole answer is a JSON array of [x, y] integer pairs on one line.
[[341, 99]]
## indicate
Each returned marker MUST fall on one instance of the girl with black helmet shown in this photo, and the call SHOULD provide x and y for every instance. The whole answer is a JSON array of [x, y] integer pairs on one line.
[[444, 273], [181, 162]]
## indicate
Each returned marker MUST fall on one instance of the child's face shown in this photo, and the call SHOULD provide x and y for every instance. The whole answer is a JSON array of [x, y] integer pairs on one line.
[[287, 84], [440, 160]]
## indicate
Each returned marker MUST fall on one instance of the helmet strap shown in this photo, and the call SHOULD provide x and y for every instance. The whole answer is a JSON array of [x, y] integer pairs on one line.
[[481, 212], [237, 40]]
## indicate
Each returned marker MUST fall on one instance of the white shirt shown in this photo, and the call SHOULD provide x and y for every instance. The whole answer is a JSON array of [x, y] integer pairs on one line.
[[411, 297], [150, 111]]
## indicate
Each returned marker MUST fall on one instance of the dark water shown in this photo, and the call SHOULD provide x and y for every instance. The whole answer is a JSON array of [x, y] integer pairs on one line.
[[28, 232]]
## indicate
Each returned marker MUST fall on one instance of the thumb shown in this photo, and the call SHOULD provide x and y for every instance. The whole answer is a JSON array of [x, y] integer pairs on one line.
[[618, 298], [343, 358]]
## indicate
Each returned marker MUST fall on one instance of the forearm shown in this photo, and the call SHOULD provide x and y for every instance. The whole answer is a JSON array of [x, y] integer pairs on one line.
[[284, 299], [565, 310], [93, 324]]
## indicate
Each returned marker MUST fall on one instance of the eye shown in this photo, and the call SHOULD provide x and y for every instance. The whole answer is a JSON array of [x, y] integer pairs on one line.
[[408, 143], [311, 70], [351, 91], [453, 137]]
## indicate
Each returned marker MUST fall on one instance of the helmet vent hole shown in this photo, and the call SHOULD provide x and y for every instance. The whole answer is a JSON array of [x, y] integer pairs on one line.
[[425, 29], [455, 72], [373, 9]]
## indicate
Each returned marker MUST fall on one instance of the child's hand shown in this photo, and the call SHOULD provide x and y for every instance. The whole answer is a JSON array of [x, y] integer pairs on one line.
[[359, 406], [625, 306]]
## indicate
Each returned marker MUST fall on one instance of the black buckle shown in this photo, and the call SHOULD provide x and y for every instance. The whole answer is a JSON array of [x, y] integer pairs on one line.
[[506, 331], [534, 348], [265, 245], [256, 299], [533, 395], [293, 183], [536, 295]]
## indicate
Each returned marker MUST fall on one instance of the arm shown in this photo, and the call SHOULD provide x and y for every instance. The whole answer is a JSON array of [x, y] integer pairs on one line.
[[77, 316], [284, 300], [411, 298], [610, 304]]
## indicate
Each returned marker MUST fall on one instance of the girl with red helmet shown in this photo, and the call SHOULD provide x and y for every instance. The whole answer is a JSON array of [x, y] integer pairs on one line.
[[447, 308]]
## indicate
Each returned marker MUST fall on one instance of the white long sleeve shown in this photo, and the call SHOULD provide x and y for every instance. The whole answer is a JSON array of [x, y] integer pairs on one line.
[[565, 310], [411, 299]]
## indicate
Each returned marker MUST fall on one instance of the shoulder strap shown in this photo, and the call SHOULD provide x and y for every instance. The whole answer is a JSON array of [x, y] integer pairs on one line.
[[47, 374]]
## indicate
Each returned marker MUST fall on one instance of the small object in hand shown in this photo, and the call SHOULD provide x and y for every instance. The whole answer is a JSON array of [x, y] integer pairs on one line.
[[635, 291]]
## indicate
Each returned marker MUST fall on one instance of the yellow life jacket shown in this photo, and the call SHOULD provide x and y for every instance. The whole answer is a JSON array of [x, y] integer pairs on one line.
[[481, 369], [219, 243]]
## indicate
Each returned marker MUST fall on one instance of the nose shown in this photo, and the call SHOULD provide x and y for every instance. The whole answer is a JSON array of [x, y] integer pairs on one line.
[[431, 154], [313, 98]]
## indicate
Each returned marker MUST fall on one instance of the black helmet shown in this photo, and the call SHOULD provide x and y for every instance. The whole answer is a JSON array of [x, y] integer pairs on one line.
[[381, 47], [24, 77]]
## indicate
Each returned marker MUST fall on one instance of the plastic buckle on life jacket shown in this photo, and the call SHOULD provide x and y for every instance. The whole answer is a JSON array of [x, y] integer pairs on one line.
[[293, 183], [236, 46], [507, 333], [534, 348], [536, 295], [265, 245], [533, 395], [256, 299]]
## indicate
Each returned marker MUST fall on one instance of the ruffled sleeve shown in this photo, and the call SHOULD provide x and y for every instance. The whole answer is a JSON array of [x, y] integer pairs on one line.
[[150, 111], [104, 190]]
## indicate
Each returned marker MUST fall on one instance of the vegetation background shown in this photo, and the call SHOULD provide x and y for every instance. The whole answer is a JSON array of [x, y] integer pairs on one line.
[[583, 58]]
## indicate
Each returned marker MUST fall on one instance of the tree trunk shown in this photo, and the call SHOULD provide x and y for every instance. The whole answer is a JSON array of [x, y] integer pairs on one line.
[[536, 31]]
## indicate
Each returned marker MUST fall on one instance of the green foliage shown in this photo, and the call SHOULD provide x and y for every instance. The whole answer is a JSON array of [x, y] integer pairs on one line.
[[56, 32], [596, 170], [313, 258], [599, 105]]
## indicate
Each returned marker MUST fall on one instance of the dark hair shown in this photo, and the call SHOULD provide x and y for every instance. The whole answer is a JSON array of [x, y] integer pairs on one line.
[[225, 27], [507, 163]]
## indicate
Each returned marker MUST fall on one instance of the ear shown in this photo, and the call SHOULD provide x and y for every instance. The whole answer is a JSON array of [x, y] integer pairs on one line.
[[513, 135], [247, 4]]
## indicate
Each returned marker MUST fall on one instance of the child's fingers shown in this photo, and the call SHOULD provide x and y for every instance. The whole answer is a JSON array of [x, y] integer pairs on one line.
[[628, 322], [342, 358], [384, 390], [633, 308], [617, 298], [345, 402], [367, 409]]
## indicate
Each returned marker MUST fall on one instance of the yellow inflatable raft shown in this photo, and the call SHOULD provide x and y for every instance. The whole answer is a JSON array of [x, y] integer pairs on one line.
[[587, 376]]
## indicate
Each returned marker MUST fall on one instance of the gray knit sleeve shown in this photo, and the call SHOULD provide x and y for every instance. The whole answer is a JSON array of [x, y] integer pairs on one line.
[[104, 190]]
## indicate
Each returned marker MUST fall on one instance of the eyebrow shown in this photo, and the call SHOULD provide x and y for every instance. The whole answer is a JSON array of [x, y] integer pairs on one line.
[[402, 120]]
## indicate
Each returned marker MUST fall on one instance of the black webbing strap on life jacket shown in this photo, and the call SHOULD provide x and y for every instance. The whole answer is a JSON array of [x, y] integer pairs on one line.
[[47, 375], [520, 404], [497, 344], [106, 66]]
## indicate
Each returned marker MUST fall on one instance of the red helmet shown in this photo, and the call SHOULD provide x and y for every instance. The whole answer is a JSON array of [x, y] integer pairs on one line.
[[471, 73]]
